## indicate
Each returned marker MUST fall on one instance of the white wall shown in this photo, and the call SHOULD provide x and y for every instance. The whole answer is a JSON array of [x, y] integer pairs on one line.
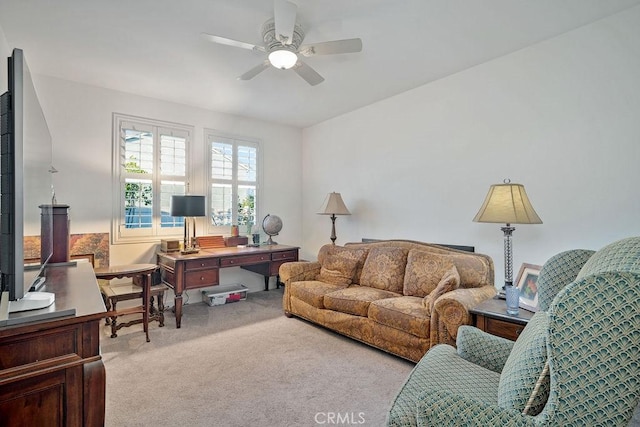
[[80, 121], [561, 117], [5, 52]]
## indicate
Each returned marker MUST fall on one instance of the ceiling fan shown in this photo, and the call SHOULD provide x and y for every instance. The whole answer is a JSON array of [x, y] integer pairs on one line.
[[283, 38]]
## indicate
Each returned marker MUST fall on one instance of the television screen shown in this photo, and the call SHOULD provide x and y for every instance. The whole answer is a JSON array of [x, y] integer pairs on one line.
[[26, 183]]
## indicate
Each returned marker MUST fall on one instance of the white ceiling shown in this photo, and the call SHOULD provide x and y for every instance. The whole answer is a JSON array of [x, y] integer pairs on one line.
[[153, 47]]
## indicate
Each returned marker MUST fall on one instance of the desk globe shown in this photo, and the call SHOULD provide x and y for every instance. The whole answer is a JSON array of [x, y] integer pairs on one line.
[[271, 224]]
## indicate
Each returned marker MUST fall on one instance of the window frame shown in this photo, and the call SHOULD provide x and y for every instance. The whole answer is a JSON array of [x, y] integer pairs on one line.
[[235, 141], [119, 233]]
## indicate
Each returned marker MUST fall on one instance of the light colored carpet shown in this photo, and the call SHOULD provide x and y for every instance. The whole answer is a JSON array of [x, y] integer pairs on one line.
[[245, 364]]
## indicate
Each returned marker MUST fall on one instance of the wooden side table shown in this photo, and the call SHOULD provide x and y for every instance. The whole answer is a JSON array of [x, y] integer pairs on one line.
[[109, 291], [491, 316]]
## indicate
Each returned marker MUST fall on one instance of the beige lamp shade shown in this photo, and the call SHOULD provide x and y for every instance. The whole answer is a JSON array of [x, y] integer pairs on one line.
[[507, 203], [333, 205]]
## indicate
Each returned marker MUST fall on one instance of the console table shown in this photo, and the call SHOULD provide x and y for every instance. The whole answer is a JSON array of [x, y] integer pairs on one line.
[[51, 371], [201, 270]]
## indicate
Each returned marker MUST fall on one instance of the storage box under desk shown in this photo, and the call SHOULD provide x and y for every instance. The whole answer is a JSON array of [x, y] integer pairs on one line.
[[225, 294]]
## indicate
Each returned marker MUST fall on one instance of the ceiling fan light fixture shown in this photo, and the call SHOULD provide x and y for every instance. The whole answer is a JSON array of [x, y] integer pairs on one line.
[[283, 59]]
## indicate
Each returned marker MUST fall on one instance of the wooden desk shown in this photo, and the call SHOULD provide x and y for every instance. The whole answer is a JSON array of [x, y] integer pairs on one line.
[[132, 270], [51, 371], [491, 316], [201, 270]]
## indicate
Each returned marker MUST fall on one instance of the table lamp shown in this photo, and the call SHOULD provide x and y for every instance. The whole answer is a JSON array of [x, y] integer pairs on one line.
[[507, 203], [333, 205], [189, 207]]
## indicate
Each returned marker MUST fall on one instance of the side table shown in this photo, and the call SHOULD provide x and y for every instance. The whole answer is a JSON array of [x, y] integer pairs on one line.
[[131, 270], [491, 316]]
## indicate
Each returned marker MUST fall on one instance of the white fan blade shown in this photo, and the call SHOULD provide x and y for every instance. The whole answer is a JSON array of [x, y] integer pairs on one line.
[[231, 42], [255, 71], [308, 73], [328, 48], [284, 17]]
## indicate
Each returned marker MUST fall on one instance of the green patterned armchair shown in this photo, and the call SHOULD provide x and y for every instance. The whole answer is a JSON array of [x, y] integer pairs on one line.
[[575, 364]]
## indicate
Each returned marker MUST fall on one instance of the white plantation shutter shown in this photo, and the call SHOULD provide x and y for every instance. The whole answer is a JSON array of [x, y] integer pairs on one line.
[[151, 164], [233, 182]]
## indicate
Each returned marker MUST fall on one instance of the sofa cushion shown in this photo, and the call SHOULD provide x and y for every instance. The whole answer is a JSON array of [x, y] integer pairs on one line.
[[358, 254], [384, 269], [405, 313], [312, 292], [338, 269], [450, 280], [524, 366], [355, 299], [423, 272]]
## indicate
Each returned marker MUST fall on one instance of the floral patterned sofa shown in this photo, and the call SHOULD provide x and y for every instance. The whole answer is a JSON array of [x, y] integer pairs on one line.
[[399, 296]]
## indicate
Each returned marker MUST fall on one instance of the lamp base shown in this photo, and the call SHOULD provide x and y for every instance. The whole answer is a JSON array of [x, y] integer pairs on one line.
[[189, 251], [333, 229]]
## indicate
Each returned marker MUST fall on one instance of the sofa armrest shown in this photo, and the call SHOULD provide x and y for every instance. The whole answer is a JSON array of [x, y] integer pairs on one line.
[[298, 271], [481, 348], [451, 311]]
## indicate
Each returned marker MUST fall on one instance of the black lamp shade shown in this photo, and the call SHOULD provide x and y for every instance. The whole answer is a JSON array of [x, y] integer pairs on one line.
[[187, 206]]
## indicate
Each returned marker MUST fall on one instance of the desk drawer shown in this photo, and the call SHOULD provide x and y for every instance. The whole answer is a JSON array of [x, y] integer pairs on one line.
[[285, 255], [504, 329], [196, 264], [275, 267], [245, 260], [200, 279], [168, 276]]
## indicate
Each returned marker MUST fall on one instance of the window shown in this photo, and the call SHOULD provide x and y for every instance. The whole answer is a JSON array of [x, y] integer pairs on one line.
[[233, 182], [150, 165]]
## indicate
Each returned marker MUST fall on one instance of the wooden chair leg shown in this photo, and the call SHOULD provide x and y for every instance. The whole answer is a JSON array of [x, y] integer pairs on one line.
[[161, 309], [107, 305], [145, 298], [114, 322]]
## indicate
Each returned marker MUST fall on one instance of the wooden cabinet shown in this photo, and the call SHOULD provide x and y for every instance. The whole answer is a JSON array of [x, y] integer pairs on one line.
[[491, 316], [51, 371]]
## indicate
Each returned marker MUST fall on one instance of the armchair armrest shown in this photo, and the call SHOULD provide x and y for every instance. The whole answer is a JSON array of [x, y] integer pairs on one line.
[[442, 408], [481, 348], [451, 311]]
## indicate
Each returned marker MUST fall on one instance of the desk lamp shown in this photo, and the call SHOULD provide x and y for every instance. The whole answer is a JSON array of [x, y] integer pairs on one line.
[[189, 207], [507, 203]]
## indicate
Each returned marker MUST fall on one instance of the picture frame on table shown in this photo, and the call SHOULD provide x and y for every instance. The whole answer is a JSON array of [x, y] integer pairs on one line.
[[527, 285]]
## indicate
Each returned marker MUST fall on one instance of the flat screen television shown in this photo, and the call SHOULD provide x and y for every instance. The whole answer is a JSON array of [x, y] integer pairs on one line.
[[26, 184]]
